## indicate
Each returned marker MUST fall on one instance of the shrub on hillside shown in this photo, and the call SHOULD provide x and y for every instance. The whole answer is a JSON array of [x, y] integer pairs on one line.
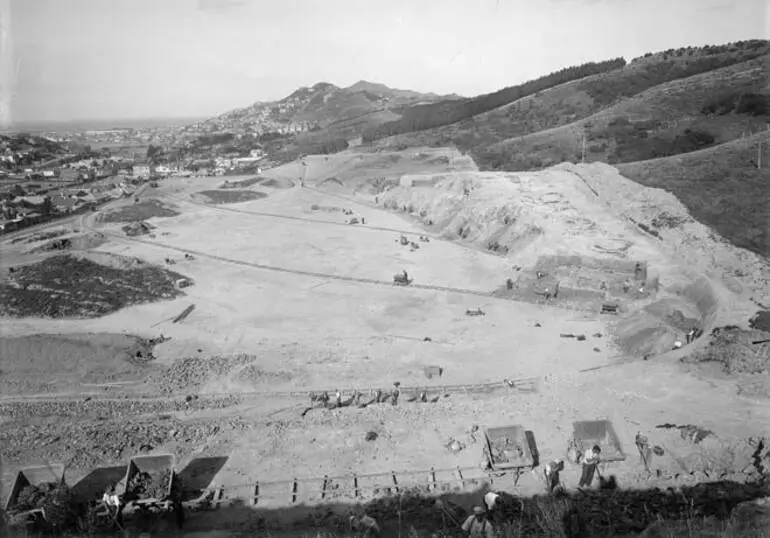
[[752, 104]]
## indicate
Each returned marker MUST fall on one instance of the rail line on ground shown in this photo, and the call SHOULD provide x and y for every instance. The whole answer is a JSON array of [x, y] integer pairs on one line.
[[219, 207], [525, 385], [328, 276]]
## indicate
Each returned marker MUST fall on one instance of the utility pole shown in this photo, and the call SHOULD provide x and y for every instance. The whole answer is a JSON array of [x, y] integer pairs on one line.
[[759, 154], [583, 157]]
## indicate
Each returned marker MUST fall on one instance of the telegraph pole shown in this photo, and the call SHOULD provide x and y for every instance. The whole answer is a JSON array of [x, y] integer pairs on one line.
[[759, 154]]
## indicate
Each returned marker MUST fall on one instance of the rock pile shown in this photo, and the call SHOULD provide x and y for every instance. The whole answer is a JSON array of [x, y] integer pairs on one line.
[[193, 372]]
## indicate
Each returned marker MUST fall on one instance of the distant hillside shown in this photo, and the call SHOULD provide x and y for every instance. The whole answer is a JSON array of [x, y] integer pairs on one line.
[[319, 106], [721, 187], [668, 119], [579, 99]]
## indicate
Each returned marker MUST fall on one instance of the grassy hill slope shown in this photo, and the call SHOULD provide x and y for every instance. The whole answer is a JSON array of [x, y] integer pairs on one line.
[[721, 187], [668, 119], [578, 99]]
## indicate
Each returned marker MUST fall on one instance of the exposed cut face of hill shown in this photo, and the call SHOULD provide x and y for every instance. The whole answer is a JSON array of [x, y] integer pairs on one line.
[[581, 225]]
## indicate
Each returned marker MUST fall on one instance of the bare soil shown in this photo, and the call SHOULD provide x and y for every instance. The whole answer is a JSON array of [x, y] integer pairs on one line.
[[59, 362], [71, 287]]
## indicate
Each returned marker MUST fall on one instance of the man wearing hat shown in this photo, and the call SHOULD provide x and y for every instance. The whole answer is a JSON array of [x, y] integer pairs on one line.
[[477, 525]]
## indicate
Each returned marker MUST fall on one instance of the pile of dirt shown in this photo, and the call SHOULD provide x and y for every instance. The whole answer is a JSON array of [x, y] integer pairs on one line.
[[761, 321], [40, 236], [56, 500], [87, 444], [72, 287], [735, 350], [231, 197], [252, 374], [113, 408], [137, 228], [241, 184], [192, 373], [73, 242], [146, 209], [145, 485]]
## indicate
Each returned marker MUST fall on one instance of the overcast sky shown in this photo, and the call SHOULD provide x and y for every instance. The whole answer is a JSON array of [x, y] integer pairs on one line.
[[105, 59]]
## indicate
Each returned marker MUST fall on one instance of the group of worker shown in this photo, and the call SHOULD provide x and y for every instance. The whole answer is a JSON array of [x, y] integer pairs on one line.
[[690, 337]]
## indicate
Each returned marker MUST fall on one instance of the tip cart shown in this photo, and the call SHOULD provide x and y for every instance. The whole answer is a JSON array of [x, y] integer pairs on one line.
[[587, 433], [36, 490], [151, 486], [507, 449]]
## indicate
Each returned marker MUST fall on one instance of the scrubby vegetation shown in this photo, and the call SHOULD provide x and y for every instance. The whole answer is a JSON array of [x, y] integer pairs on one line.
[[421, 117], [721, 187]]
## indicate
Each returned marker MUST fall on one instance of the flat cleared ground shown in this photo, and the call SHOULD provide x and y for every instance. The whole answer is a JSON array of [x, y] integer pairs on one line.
[[258, 289]]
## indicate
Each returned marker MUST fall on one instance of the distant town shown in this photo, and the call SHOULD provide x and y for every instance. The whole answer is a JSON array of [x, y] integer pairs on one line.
[[51, 175]]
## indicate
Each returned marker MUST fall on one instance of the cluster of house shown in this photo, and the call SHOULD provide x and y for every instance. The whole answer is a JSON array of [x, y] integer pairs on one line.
[[18, 209]]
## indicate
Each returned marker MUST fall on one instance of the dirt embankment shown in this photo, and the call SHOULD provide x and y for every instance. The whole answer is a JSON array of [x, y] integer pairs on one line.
[[583, 210]]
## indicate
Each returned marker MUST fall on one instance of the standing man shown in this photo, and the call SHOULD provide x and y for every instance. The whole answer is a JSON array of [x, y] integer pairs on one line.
[[493, 503], [477, 525], [590, 463]]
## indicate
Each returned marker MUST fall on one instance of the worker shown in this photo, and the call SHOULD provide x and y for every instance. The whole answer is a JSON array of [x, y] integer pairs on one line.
[[691, 335], [645, 452], [394, 394], [338, 397], [406, 276], [551, 472], [367, 524], [112, 501], [477, 525], [493, 503], [590, 463]]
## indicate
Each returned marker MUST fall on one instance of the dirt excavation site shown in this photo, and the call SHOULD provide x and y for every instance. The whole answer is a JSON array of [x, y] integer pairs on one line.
[[346, 330]]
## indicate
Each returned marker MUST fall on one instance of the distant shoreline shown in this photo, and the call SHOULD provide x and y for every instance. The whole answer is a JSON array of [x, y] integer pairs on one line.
[[96, 125]]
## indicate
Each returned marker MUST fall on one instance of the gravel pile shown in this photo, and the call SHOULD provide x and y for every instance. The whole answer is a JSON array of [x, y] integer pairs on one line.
[[194, 372], [89, 444], [733, 348], [112, 408]]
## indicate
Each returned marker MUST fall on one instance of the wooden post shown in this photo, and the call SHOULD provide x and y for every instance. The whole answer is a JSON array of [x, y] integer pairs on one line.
[[459, 474], [433, 479], [356, 491], [255, 499], [294, 487], [759, 155]]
